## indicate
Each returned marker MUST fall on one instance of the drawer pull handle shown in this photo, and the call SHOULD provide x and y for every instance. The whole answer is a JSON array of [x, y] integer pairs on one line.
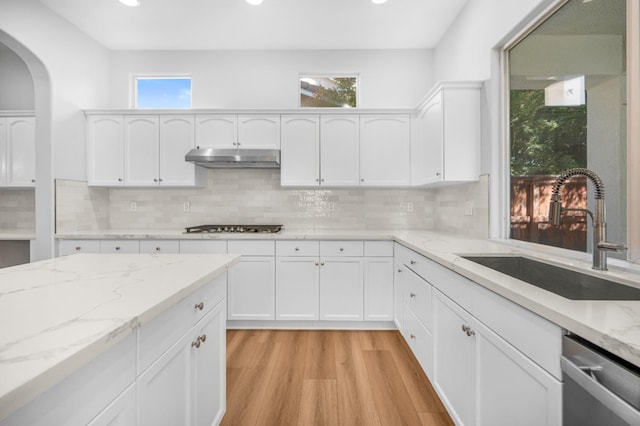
[[412, 295], [413, 336], [117, 248], [78, 248], [199, 306], [157, 248], [413, 262]]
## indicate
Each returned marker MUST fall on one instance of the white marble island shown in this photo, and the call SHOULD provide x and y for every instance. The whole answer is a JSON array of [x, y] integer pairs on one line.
[[62, 315]]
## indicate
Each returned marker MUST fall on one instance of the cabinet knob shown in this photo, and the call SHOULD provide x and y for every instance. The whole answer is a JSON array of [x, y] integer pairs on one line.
[[399, 270], [78, 248], [438, 174], [341, 249], [412, 295], [196, 343], [117, 248], [361, 180], [470, 332], [203, 338], [321, 180], [33, 181], [155, 180], [316, 263], [157, 248], [413, 262], [199, 306], [412, 336], [297, 249], [119, 179], [317, 180], [160, 180], [321, 263]]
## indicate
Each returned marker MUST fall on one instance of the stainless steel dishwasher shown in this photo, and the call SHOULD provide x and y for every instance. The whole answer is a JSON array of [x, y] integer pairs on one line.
[[599, 389]]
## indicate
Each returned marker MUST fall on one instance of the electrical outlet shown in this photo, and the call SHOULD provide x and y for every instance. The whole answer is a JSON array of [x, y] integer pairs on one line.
[[468, 208], [134, 206], [186, 206], [410, 206]]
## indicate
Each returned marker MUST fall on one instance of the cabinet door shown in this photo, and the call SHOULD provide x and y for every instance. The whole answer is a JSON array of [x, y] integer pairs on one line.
[[216, 131], [384, 150], [251, 289], [378, 289], [105, 150], [259, 131], [141, 158], [121, 412], [209, 370], [21, 151], [297, 287], [501, 369], [454, 360], [165, 389], [176, 139], [432, 121], [341, 289], [339, 150], [3, 151], [300, 151]]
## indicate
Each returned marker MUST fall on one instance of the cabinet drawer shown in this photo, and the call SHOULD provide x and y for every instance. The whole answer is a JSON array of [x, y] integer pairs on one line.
[[420, 341], [119, 246], [251, 248], [203, 246], [378, 248], [341, 248], [155, 337], [417, 296], [402, 254], [159, 246], [298, 248], [66, 247]]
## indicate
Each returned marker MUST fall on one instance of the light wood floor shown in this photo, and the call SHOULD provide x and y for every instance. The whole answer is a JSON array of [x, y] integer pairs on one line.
[[331, 378]]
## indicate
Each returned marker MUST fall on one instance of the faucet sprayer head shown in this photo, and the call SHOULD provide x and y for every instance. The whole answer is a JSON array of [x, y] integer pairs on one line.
[[555, 210]]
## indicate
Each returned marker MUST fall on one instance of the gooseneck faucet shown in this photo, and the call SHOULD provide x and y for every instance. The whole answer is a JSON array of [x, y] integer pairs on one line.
[[600, 244]]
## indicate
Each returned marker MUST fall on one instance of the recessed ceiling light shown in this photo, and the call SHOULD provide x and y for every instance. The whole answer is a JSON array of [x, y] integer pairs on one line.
[[131, 3], [378, 1], [254, 2]]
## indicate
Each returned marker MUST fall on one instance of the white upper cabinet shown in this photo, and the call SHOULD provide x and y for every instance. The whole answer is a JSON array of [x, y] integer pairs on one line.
[[238, 131], [17, 151], [216, 131], [141, 150], [141, 154], [448, 143], [105, 150], [259, 131], [176, 139], [385, 157], [300, 150], [339, 150]]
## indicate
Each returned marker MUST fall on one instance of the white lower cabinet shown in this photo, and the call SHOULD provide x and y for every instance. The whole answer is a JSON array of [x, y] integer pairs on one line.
[[297, 288], [341, 289], [121, 412], [398, 287], [378, 289]]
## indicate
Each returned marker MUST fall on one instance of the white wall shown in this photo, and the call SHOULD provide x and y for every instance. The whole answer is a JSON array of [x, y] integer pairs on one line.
[[70, 74], [269, 79], [16, 84]]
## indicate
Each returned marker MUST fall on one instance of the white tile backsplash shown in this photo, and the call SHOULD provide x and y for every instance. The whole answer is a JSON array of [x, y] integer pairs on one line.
[[17, 210], [255, 196]]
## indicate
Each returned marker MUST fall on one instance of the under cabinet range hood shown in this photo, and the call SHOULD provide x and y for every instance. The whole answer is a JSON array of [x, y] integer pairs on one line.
[[223, 158]]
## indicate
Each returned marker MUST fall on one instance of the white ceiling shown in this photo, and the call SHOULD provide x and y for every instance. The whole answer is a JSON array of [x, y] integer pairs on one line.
[[276, 24]]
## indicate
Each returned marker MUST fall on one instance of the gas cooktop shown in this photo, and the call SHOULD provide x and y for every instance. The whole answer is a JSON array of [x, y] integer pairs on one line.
[[244, 229]]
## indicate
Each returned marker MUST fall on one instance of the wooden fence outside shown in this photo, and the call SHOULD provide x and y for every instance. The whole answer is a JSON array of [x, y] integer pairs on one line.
[[530, 196]]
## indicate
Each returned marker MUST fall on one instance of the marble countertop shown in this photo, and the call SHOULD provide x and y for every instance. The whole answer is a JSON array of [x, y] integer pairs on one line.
[[16, 236], [613, 325], [61, 313]]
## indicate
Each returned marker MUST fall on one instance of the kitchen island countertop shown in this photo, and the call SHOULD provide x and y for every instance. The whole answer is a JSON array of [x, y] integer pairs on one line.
[[59, 314]]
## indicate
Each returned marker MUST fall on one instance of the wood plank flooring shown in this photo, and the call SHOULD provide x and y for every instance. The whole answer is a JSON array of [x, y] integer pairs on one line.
[[328, 378]]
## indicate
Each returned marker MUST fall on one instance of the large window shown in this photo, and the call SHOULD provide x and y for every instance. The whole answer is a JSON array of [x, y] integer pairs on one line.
[[567, 108], [162, 92]]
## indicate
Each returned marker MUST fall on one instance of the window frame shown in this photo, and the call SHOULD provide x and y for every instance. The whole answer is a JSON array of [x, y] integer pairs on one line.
[[500, 221], [133, 90], [319, 75]]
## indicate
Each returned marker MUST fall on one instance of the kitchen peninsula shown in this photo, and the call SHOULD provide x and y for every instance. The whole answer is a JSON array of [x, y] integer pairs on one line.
[[88, 338]]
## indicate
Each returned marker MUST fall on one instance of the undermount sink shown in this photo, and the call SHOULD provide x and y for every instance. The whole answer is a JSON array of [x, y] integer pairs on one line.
[[563, 282]]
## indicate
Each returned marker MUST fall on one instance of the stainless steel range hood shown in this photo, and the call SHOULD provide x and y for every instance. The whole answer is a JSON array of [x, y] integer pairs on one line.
[[222, 158]]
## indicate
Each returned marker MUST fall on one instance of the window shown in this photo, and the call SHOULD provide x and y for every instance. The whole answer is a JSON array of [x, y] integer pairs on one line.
[[162, 92], [331, 91], [567, 108]]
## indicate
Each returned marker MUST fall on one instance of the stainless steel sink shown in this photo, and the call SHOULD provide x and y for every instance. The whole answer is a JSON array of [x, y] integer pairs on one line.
[[563, 282]]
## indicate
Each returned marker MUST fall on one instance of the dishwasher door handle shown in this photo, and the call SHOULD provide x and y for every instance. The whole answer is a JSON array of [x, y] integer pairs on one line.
[[609, 399]]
